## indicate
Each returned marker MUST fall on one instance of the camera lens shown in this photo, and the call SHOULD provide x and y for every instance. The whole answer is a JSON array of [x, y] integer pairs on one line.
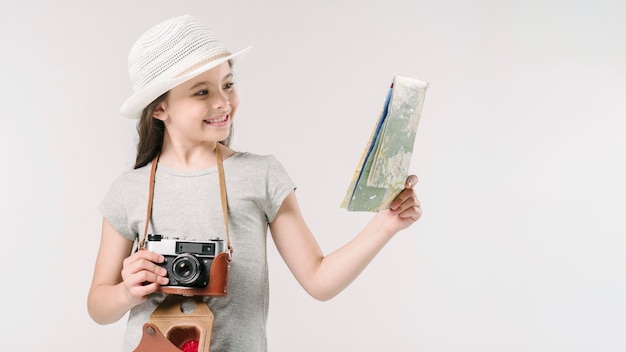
[[186, 269]]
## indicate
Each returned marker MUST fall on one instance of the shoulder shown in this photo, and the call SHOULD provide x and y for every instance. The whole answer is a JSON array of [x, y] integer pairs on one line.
[[125, 192], [132, 178], [256, 161], [258, 168]]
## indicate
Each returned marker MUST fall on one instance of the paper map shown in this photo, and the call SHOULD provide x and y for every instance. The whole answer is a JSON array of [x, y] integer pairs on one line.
[[384, 165]]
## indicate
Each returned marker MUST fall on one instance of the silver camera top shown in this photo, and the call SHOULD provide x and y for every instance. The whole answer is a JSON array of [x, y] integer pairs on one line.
[[175, 246]]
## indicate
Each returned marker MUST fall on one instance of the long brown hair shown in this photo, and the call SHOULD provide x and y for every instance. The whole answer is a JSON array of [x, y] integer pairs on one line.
[[151, 131]]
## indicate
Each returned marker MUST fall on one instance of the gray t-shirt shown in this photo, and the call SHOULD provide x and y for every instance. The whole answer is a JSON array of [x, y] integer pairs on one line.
[[187, 205]]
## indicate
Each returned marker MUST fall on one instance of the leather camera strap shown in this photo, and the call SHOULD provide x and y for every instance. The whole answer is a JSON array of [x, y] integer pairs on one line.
[[220, 170]]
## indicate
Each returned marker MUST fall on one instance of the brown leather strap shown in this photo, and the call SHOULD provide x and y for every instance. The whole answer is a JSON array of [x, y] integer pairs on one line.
[[224, 200], [150, 195], [220, 171]]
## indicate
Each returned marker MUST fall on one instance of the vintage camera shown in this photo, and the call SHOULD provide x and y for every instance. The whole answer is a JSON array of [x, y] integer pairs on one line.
[[188, 262]]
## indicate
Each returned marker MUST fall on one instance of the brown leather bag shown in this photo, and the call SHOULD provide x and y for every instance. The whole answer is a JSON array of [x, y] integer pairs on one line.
[[176, 321]]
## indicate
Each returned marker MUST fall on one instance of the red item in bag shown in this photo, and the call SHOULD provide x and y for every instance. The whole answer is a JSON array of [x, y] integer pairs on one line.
[[190, 346]]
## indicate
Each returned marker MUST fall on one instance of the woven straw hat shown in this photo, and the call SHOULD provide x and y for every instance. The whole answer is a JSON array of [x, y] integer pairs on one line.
[[169, 54]]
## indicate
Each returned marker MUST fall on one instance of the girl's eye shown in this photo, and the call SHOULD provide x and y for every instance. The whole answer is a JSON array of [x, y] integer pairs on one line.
[[229, 85], [202, 92]]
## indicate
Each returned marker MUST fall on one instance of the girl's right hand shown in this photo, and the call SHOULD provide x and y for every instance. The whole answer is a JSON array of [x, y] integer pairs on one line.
[[141, 276]]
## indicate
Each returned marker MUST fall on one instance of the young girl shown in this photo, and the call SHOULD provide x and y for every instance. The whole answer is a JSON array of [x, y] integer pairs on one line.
[[185, 99]]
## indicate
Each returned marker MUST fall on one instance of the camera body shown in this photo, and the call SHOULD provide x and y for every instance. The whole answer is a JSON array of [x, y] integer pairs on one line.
[[188, 262]]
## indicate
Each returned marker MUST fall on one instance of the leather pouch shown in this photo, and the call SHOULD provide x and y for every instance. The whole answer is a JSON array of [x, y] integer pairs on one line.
[[175, 322]]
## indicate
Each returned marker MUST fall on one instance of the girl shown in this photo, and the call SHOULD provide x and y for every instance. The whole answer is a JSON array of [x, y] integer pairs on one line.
[[185, 99]]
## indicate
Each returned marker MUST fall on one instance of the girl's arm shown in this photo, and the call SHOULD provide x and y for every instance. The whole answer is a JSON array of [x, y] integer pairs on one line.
[[119, 280], [323, 277]]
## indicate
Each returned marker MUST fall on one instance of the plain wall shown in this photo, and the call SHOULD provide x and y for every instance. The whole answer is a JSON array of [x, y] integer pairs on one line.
[[520, 154]]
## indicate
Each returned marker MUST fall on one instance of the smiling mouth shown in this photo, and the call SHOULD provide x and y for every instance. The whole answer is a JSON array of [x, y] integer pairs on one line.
[[217, 120]]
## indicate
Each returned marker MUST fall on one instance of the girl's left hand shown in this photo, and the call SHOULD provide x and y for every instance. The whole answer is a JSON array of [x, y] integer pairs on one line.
[[405, 208]]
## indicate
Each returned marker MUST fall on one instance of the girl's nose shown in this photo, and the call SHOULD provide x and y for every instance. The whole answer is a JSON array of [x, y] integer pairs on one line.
[[221, 101]]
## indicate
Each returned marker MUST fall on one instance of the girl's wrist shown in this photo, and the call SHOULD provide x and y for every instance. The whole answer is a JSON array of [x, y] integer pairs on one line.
[[379, 222]]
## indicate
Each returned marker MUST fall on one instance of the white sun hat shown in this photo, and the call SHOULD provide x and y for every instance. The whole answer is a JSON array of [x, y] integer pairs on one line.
[[169, 54]]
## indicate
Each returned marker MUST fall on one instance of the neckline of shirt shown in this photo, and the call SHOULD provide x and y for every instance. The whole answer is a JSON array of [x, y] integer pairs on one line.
[[195, 173]]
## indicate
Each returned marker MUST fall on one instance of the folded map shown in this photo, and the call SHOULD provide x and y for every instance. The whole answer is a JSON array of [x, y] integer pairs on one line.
[[384, 165]]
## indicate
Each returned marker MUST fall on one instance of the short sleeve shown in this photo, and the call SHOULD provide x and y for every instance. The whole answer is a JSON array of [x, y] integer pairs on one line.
[[279, 184], [115, 211]]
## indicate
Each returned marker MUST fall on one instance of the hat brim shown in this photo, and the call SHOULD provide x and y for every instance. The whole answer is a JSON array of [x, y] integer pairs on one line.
[[133, 106]]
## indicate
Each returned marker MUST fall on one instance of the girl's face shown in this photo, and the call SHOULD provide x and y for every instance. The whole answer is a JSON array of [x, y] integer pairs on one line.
[[201, 109]]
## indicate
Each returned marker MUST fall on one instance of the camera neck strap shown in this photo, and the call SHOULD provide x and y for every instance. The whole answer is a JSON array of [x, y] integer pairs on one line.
[[220, 171]]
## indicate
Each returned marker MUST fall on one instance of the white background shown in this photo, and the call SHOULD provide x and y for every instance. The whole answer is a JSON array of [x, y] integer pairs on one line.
[[520, 154]]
